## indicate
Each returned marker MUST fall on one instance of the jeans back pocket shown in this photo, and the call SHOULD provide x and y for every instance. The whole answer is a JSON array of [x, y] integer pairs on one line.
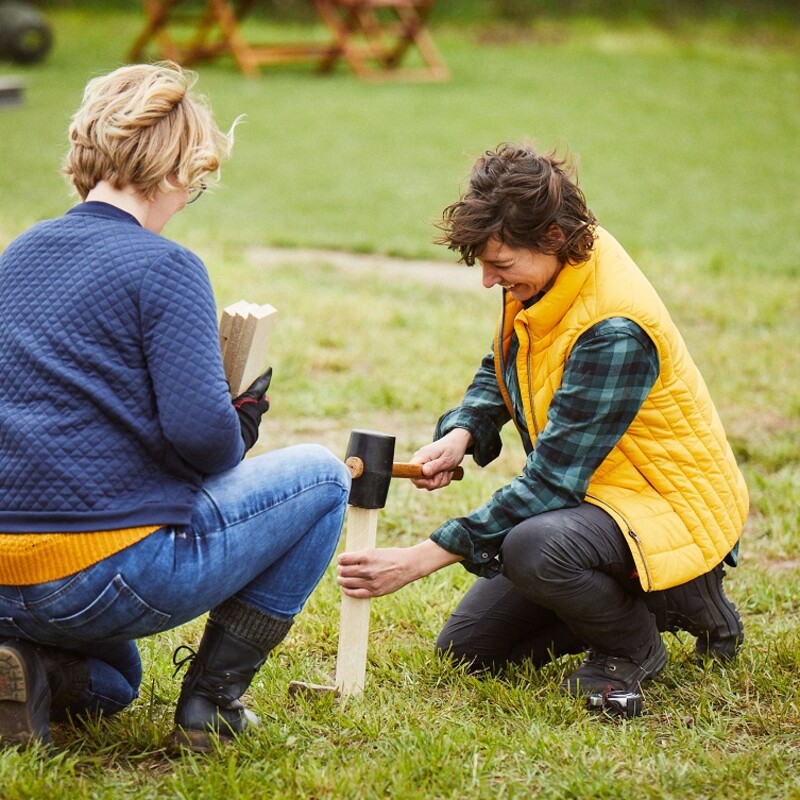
[[116, 614]]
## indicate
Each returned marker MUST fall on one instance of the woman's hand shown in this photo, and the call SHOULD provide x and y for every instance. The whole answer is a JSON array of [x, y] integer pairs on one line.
[[440, 458], [373, 573]]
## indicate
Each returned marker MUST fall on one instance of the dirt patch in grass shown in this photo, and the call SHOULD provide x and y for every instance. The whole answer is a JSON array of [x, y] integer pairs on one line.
[[779, 566], [757, 424], [410, 432], [445, 274]]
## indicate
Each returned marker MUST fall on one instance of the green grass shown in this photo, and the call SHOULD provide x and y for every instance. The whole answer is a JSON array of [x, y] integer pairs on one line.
[[687, 145]]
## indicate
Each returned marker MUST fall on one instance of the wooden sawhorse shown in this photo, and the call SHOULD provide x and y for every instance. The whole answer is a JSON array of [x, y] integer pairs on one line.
[[371, 36], [216, 32], [374, 36]]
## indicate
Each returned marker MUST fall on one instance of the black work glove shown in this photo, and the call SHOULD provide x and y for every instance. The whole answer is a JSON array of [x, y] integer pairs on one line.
[[251, 406]]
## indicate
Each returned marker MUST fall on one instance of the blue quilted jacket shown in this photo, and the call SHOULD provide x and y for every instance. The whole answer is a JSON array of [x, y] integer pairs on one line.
[[113, 400]]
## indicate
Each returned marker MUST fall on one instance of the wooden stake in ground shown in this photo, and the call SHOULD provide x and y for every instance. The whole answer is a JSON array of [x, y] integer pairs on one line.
[[370, 461], [373, 452], [244, 333], [351, 659]]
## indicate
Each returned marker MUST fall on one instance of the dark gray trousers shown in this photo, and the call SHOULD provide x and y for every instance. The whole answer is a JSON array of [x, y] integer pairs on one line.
[[568, 584]]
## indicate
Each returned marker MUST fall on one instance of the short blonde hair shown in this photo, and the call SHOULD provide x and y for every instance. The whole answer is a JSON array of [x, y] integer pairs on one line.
[[142, 126]]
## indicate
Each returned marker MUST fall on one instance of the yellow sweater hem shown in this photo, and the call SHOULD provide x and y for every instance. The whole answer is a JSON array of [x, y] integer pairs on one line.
[[31, 558]]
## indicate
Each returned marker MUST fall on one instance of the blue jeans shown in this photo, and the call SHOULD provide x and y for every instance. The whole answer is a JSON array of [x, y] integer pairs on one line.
[[263, 532]]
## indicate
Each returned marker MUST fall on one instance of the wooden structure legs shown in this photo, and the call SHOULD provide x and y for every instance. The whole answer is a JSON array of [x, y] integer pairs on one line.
[[373, 37], [215, 31]]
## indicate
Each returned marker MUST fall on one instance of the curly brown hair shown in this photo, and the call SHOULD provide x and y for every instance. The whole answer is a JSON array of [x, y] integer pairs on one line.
[[525, 200]]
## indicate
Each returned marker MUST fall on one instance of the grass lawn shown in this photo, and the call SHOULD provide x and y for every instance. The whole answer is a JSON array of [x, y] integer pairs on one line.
[[687, 145]]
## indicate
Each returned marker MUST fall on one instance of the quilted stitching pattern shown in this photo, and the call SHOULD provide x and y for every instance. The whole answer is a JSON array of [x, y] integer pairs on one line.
[[113, 401]]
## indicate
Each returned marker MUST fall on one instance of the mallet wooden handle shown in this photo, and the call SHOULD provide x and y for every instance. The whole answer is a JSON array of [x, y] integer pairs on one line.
[[399, 469]]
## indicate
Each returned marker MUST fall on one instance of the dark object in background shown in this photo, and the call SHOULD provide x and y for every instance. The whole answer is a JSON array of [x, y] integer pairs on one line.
[[11, 90], [25, 35]]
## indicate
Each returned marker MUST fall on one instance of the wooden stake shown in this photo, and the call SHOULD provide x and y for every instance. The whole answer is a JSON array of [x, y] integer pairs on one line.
[[351, 661], [226, 323], [244, 334]]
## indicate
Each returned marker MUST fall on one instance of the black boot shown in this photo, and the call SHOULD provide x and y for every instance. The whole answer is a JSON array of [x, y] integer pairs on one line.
[[702, 608], [603, 673], [24, 695], [37, 684], [236, 641]]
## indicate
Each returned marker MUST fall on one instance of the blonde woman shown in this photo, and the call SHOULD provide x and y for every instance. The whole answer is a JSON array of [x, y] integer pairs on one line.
[[125, 506]]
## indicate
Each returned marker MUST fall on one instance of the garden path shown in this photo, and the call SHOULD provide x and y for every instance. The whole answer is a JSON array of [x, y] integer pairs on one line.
[[447, 274]]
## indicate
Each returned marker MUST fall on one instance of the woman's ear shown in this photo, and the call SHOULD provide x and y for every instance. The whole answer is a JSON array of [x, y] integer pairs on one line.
[[554, 240], [556, 235]]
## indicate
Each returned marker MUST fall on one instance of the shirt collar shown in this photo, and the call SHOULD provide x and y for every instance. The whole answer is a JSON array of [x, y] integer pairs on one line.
[[95, 208]]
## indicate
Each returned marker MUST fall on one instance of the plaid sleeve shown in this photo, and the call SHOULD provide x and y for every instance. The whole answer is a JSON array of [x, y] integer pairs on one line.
[[606, 379], [482, 412]]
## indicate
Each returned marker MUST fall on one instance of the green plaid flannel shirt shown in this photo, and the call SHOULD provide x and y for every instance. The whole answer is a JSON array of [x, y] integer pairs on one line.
[[607, 377]]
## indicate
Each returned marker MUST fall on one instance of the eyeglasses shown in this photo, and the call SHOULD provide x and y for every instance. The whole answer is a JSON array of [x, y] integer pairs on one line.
[[195, 192]]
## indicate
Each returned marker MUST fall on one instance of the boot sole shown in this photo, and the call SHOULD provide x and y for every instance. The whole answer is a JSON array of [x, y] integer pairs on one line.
[[722, 648], [661, 661], [13, 686], [723, 634], [196, 741], [18, 725]]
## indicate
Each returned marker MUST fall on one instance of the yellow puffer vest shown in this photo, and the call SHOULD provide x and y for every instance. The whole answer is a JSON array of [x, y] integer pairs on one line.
[[671, 483]]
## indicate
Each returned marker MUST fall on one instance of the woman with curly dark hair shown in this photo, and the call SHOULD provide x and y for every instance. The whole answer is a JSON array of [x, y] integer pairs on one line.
[[629, 500]]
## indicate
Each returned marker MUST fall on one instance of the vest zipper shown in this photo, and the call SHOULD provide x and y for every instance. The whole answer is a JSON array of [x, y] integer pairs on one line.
[[530, 390], [633, 535], [501, 372]]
